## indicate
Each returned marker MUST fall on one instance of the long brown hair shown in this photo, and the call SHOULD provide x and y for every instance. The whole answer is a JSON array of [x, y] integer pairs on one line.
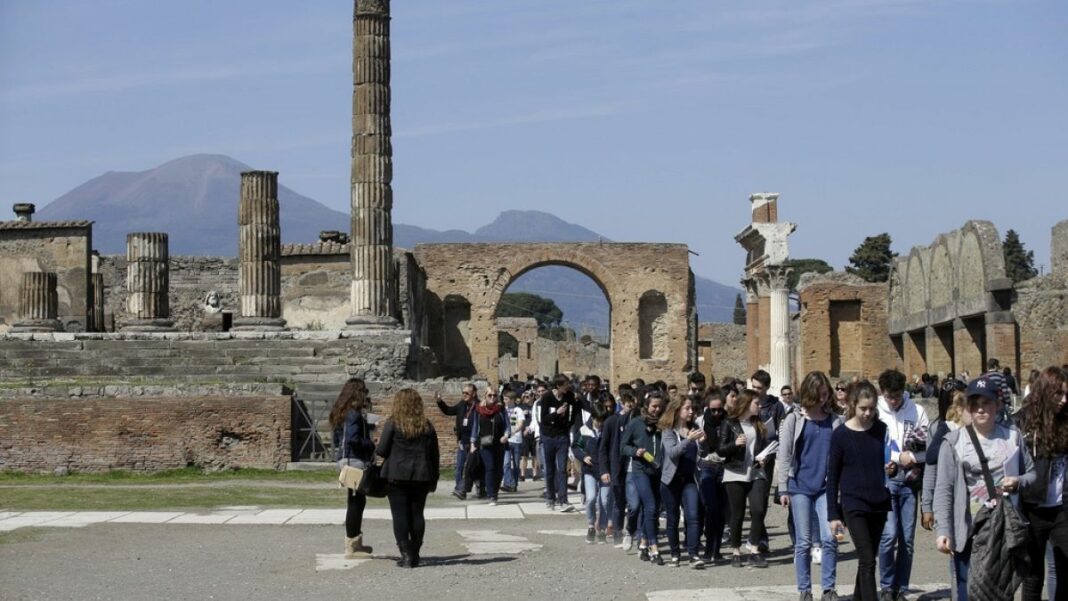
[[741, 405], [857, 391], [671, 414], [353, 395], [1043, 422], [408, 415], [808, 396]]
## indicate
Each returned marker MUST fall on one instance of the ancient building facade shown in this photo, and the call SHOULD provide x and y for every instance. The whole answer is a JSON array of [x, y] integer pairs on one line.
[[721, 351], [950, 304], [649, 288], [1041, 309]]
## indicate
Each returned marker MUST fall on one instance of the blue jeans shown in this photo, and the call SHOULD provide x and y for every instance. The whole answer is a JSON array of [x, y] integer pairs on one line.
[[511, 463], [598, 502], [805, 509], [714, 501], [959, 564], [896, 544], [492, 458], [461, 460], [648, 488], [634, 505], [681, 492], [556, 448]]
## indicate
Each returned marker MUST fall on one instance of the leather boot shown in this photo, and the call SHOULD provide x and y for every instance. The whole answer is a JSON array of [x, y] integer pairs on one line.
[[413, 556], [355, 549], [405, 560]]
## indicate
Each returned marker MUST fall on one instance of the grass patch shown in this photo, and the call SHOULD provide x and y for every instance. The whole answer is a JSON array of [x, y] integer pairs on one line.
[[104, 498], [21, 535], [178, 476]]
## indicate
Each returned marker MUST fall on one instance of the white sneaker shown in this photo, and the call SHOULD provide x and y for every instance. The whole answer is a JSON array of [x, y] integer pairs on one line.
[[817, 554], [628, 543], [567, 508], [493, 503]]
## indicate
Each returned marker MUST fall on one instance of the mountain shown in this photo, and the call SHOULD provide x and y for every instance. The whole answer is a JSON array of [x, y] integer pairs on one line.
[[195, 198]]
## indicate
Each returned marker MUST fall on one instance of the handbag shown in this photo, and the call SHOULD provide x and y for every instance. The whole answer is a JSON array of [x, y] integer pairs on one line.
[[350, 477], [373, 484]]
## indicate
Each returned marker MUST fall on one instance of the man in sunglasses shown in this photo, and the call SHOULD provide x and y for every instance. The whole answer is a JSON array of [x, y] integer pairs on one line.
[[462, 411]]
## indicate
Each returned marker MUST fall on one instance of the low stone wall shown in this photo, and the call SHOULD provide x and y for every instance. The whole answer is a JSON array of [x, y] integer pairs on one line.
[[721, 351], [144, 434]]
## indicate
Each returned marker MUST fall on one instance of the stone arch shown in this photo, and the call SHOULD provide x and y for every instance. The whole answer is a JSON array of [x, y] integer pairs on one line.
[[577, 261], [916, 295], [652, 311], [942, 277], [972, 274]]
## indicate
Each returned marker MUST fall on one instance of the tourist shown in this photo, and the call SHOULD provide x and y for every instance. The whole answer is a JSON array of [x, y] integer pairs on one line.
[[528, 456], [786, 397], [729, 392], [353, 447], [613, 467], [558, 412], [962, 487], [857, 492], [409, 449], [514, 449], [745, 448], [489, 435], [907, 425], [696, 383], [641, 442], [678, 488], [598, 495], [540, 390], [462, 411], [1044, 422], [710, 476], [804, 448], [952, 415], [772, 413]]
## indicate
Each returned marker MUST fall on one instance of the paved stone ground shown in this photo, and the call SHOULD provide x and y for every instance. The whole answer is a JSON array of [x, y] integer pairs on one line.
[[502, 553]]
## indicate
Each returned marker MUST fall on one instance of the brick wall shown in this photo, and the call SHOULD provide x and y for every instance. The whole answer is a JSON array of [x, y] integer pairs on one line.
[[145, 434]]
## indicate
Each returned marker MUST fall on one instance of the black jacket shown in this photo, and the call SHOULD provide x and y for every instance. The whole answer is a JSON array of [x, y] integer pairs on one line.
[[772, 413], [733, 453], [609, 458], [637, 436], [409, 460], [356, 432], [554, 424], [462, 411]]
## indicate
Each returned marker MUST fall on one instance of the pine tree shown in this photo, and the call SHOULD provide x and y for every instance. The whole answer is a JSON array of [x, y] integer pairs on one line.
[[739, 311], [1019, 262], [800, 267], [873, 259]]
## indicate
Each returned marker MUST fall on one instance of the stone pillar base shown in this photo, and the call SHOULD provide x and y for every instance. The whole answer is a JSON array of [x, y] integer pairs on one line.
[[147, 325], [37, 325], [258, 324], [371, 322]]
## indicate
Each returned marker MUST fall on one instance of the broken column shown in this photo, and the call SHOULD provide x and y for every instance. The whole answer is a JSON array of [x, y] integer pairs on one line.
[[147, 283], [38, 303], [24, 211], [372, 292], [259, 253]]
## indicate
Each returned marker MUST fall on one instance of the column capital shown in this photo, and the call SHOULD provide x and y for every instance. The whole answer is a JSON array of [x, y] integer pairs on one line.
[[778, 276]]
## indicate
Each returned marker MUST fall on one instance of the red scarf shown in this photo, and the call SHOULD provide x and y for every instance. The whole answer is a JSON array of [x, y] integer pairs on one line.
[[490, 411]]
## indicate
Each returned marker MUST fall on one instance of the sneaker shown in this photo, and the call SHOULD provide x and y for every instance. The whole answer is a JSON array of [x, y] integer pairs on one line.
[[829, 595], [737, 561], [676, 561], [656, 560], [617, 539], [509, 488], [602, 538], [697, 564], [591, 536], [763, 548], [492, 503], [459, 494], [817, 554], [757, 560], [805, 596], [628, 543], [567, 508], [643, 554]]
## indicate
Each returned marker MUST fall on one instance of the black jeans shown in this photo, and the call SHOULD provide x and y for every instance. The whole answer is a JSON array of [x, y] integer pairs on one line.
[[354, 514], [866, 529], [406, 502], [1048, 525], [757, 493], [619, 508]]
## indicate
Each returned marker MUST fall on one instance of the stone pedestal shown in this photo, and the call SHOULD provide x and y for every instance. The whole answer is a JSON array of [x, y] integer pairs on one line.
[[373, 293], [96, 310], [259, 252], [38, 303], [780, 327], [148, 283]]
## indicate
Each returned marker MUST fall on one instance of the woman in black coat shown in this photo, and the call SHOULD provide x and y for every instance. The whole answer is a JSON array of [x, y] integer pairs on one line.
[[410, 465]]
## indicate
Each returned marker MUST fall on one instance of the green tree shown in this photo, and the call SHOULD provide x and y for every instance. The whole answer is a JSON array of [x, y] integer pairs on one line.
[[525, 304], [873, 259], [1019, 262], [739, 310], [803, 266]]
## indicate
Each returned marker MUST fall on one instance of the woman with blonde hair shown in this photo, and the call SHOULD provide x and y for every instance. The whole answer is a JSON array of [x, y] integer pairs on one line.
[[410, 467], [353, 447]]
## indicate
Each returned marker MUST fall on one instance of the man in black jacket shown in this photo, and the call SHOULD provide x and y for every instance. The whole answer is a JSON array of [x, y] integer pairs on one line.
[[464, 421], [614, 468], [559, 410], [772, 413]]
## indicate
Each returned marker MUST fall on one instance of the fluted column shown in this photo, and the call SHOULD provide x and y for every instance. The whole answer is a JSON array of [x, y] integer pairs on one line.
[[147, 283], [38, 303], [259, 253], [373, 289], [780, 327], [96, 310]]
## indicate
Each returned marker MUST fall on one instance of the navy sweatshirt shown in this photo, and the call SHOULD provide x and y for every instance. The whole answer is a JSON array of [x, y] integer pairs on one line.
[[855, 469]]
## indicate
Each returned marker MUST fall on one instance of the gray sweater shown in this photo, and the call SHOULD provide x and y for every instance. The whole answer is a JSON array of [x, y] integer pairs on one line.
[[789, 433], [675, 447], [953, 517]]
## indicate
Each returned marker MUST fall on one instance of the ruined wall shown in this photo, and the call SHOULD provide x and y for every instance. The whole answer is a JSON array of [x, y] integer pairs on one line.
[[144, 434], [465, 283], [721, 350], [61, 247], [1041, 310], [843, 326]]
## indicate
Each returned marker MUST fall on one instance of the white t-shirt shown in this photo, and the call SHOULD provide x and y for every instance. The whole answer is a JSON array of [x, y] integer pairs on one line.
[[516, 416], [535, 415]]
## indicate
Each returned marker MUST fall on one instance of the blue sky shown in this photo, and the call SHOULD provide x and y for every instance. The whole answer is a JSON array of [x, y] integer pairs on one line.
[[645, 121]]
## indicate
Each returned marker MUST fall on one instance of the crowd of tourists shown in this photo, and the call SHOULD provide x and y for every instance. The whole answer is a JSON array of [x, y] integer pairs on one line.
[[854, 457]]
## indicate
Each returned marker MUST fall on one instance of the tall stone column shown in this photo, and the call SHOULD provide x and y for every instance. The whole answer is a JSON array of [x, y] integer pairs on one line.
[[147, 283], [96, 310], [780, 327], [373, 289], [38, 303], [259, 253]]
